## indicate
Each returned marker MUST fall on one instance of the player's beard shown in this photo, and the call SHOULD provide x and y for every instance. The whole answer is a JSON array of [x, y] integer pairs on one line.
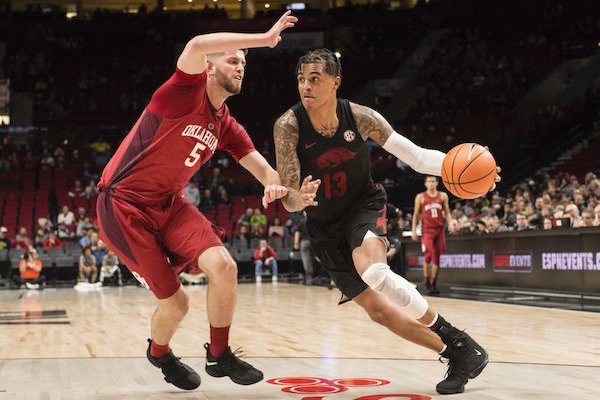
[[230, 85]]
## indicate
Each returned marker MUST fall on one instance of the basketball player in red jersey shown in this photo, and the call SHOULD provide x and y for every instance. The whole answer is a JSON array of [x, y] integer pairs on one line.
[[144, 216], [434, 207], [325, 137]]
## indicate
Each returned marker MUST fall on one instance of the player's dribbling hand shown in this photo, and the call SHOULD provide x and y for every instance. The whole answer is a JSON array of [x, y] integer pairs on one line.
[[286, 21], [272, 193], [498, 178], [308, 191]]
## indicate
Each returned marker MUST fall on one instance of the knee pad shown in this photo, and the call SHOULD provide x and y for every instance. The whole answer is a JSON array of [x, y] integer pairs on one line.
[[381, 279]]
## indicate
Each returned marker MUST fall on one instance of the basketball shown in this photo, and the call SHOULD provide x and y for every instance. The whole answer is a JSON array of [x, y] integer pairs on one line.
[[469, 170]]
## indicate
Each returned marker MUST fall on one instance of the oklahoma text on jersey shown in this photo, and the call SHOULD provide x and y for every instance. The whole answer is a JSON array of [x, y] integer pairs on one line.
[[202, 134]]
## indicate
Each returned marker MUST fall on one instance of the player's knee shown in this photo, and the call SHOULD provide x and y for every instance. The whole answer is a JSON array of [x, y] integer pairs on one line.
[[381, 314], [178, 305], [227, 272]]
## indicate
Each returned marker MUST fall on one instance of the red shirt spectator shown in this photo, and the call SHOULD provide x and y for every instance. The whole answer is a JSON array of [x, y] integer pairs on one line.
[[264, 251], [52, 242]]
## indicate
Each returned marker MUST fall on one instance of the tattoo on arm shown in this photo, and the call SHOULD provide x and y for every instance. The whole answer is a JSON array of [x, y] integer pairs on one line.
[[371, 124], [285, 135]]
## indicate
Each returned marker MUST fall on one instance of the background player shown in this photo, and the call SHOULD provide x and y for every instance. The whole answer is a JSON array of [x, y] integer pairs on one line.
[[325, 137], [145, 218], [434, 207]]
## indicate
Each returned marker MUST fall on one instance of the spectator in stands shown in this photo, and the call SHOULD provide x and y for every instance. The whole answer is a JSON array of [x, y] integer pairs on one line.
[[243, 236], [216, 180], [86, 240], [547, 223], [64, 232], [596, 213], [88, 272], [110, 269], [290, 228], [76, 190], [258, 222], [302, 244], [453, 227], [587, 218], [66, 216], [91, 190], [276, 229], [522, 224], [223, 198], [101, 152], [99, 249], [52, 242], [206, 202], [572, 211], [30, 268], [244, 219], [264, 255], [192, 193], [39, 240], [83, 225], [4, 240], [22, 240], [81, 214], [223, 161]]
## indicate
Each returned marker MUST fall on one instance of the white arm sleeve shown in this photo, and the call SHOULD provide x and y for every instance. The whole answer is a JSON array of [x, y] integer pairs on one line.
[[424, 161]]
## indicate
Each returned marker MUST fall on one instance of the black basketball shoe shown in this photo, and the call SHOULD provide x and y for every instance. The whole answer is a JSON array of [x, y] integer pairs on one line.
[[466, 360], [175, 372], [229, 364]]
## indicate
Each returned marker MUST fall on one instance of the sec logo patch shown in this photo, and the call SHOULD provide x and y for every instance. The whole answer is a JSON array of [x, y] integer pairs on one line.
[[349, 135]]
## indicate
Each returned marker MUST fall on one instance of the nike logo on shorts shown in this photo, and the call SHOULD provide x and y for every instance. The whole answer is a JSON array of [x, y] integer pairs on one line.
[[308, 146]]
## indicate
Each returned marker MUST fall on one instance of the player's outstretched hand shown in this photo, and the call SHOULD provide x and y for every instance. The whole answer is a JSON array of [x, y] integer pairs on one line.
[[498, 178], [274, 34], [308, 191], [272, 193]]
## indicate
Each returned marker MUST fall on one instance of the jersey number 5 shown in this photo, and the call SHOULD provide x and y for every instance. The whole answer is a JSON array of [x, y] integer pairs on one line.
[[195, 155], [334, 185]]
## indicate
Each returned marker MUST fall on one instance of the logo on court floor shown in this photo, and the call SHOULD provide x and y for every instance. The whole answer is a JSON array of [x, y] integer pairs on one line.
[[311, 386]]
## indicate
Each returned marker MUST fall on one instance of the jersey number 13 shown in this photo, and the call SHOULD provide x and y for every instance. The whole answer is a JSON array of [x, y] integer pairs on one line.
[[334, 184]]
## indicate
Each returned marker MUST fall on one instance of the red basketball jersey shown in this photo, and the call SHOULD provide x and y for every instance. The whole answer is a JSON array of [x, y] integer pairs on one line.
[[432, 211], [177, 132]]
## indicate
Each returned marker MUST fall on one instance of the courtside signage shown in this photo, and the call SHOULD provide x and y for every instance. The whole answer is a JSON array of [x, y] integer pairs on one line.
[[514, 261]]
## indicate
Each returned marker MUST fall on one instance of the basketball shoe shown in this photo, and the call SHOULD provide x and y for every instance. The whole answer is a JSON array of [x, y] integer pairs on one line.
[[175, 372], [466, 359], [229, 364]]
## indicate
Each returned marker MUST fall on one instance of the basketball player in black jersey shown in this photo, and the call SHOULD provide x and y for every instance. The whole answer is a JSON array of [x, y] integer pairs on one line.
[[324, 138]]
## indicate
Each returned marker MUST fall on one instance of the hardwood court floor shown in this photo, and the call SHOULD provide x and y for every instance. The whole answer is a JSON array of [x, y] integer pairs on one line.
[[64, 344]]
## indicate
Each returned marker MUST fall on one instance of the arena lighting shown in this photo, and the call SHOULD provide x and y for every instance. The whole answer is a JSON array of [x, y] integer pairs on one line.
[[338, 54], [296, 6], [267, 5]]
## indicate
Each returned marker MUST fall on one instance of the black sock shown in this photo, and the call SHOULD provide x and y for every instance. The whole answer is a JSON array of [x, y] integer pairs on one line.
[[443, 329]]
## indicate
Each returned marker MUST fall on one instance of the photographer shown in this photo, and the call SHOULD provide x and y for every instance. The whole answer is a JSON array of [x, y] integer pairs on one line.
[[30, 268]]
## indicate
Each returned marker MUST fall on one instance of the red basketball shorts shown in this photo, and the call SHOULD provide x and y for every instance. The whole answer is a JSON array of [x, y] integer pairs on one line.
[[156, 242], [433, 244]]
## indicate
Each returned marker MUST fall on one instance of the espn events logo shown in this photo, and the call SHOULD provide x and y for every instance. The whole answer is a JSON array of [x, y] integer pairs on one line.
[[312, 388], [452, 261], [513, 262], [571, 261]]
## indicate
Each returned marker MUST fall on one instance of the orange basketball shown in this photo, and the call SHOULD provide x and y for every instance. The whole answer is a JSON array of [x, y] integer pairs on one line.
[[469, 171]]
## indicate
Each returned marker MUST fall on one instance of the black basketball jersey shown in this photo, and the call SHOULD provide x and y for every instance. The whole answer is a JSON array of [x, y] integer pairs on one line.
[[342, 162]]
